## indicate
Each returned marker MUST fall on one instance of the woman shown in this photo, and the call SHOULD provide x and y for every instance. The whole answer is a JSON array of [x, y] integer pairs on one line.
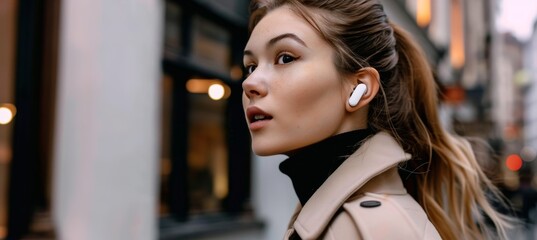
[[351, 100]]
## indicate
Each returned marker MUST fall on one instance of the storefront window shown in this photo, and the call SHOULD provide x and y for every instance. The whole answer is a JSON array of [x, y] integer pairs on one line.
[[205, 167]]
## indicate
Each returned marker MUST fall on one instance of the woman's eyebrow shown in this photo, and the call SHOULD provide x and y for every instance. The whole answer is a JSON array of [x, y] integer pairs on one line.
[[274, 40], [283, 36]]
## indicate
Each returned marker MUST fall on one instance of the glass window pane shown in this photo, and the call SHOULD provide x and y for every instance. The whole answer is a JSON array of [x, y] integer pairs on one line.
[[207, 154], [211, 45], [172, 31]]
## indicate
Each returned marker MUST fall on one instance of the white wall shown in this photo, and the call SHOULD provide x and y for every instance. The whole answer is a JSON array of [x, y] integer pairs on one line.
[[107, 129]]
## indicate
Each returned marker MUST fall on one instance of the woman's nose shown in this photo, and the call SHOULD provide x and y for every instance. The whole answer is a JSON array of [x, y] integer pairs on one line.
[[254, 86]]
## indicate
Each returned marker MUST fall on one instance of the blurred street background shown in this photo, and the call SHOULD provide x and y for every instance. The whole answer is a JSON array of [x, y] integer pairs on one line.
[[123, 119]]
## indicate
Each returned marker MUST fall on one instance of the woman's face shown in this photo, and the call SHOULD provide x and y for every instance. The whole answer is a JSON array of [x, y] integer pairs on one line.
[[293, 96]]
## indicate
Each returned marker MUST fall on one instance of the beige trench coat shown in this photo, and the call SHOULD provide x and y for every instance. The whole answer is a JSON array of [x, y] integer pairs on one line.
[[364, 199]]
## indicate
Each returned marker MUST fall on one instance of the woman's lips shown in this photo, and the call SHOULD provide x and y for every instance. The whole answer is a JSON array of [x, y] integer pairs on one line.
[[257, 118]]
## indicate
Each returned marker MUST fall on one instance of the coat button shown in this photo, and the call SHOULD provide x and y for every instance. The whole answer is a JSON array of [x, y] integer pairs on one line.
[[370, 204]]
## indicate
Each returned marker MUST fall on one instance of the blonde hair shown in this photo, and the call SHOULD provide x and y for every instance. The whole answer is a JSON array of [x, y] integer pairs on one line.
[[444, 175]]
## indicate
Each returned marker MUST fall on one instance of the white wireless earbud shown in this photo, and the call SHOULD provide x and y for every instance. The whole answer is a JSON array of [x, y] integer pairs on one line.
[[357, 94]]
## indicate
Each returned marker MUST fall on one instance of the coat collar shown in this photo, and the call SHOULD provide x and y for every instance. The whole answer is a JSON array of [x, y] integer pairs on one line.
[[377, 155]]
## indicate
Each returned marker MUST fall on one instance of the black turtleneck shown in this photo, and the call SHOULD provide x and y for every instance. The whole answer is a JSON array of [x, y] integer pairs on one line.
[[310, 166]]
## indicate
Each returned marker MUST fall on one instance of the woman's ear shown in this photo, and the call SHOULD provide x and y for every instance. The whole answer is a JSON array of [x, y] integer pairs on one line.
[[359, 98]]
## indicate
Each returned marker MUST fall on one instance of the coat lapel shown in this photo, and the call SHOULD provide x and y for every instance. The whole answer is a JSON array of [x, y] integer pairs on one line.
[[378, 154]]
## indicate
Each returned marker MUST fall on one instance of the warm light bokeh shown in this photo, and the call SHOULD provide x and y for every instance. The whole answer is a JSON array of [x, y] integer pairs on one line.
[[513, 162], [423, 13], [5, 115], [215, 88], [457, 35], [216, 91]]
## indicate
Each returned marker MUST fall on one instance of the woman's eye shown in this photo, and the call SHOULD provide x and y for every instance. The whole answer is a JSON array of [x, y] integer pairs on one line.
[[250, 69], [285, 58]]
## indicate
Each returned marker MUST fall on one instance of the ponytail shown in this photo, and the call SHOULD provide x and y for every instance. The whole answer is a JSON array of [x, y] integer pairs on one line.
[[443, 175]]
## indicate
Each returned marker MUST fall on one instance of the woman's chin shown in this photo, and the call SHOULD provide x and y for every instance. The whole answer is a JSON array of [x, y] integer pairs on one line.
[[263, 152]]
